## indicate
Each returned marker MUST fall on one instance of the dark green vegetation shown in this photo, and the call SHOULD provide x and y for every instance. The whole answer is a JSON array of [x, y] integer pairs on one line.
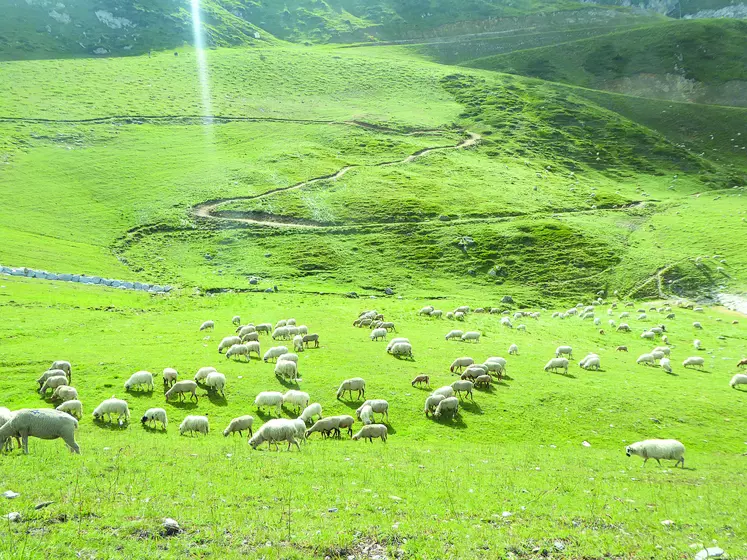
[[697, 60]]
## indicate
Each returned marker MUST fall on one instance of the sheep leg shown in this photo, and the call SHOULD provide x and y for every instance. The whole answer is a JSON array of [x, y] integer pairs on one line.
[[25, 443], [657, 460], [71, 443]]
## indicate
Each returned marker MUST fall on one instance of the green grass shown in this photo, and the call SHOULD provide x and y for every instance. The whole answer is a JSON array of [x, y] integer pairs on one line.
[[517, 449], [698, 60]]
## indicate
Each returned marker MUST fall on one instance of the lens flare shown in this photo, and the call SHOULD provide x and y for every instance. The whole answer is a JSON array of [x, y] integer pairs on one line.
[[202, 71]]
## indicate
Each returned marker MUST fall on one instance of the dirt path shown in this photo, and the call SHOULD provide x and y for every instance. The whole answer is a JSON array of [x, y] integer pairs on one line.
[[208, 209]]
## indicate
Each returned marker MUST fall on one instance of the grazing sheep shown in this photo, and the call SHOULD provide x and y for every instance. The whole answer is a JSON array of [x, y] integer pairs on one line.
[[239, 425], [308, 338], [437, 313], [50, 373], [463, 387], [290, 323], [112, 406], [432, 402], [622, 348], [670, 316], [697, 344], [248, 329], [646, 359], [170, 376], [275, 352], [506, 322], [357, 384], [376, 334], [314, 409], [270, 399], [281, 323], [297, 399], [154, 415], [564, 350], [454, 334], [250, 337], [698, 310], [460, 363], [697, 325], [286, 369], [65, 366], [648, 335], [471, 335], [298, 343], [203, 372], [658, 449], [612, 323], [379, 406], [665, 364], [236, 320], [462, 309], [642, 317], [495, 367], [446, 391], [40, 423], [427, 310], [742, 362], [521, 327], [624, 327], [274, 431], [181, 387], [74, 408], [694, 361], [556, 364], [53, 383], [252, 347], [420, 379], [264, 328], [402, 349], [474, 371], [192, 424], [138, 379], [345, 423], [590, 362], [288, 357], [372, 431], [281, 333], [657, 355], [663, 349], [64, 393], [325, 426], [459, 315], [207, 325], [395, 341], [449, 405], [738, 379], [216, 382], [228, 342], [513, 350], [483, 381]]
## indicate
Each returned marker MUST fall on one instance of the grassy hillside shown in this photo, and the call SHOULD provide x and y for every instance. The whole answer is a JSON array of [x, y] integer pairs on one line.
[[340, 498], [696, 60]]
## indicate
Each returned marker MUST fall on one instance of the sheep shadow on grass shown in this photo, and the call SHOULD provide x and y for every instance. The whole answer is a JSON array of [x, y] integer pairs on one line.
[[470, 406], [185, 404], [112, 426], [565, 374], [288, 383], [157, 430], [140, 394], [265, 416], [457, 422], [216, 398], [352, 405]]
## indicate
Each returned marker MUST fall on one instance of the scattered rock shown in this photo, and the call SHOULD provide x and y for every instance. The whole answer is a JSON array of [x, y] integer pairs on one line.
[[507, 299], [268, 291], [13, 516], [585, 444], [10, 494], [713, 552], [42, 505], [268, 255], [171, 527], [389, 292], [332, 510], [656, 420], [559, 545], [667, 522]]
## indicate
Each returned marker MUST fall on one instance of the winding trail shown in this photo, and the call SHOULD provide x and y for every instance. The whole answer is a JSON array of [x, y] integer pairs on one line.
[[209, 208]]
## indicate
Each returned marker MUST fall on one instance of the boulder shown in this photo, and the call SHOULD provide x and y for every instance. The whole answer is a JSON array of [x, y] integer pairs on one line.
[[75, 278], [65, 277], [507, 299]]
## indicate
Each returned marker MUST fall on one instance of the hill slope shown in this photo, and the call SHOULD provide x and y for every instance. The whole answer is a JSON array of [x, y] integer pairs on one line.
[[698, 60]]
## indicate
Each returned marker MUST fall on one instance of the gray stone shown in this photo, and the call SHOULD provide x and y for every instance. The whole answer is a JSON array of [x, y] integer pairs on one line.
[[75, 278], [507, 299], [269, 290], [29, 272], [65, 277], [96, 280], [254, 280], [10, 494], [170, 526], [52, 276], [106, 282], [128, 285], [145, 287], [42, 505], [389, 292], [5, 269], [16, 272], [115, 284], [713, 552], [13, 516], [138, 286], [167, 289]]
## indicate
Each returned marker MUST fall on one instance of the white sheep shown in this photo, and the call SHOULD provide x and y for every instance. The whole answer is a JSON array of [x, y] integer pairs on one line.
[[192, 424], [202, 373], [506, 322], [649, 335], [275, 352], [697, 344], [521, 327], [170, 375], [450, 405], [462, 309], [239, 425], [372, 431], [694, 361], [154, 415], [227, 342], [238, 350], [207, 325], [437, 313], [112, 406], [446, 391], [556, 364], [236, 320], [564, 351], [281, 333], [250, 337], [274, 431], [138, 379], [642, 317], [181, 387], [697, 325], [314, 409], [461, 363], [40, 423], [297, 399], [591, 362], [216, 382], [738, 379], [459, 315], [463, 386], [396, 341], [658, 449], [286, 369], [357, 384], [376, 334], [65, 366], [454, 334], [379, 406], [288, 357], [365, 414], [449, 314], [53, 383], [65, 393], [303, 329], [657, 354], [298, 343], [50, 373], [270, 399], [513, 350], [281, 323], [665, 364], [74, 408], [245, 330], [264, 328], [623, 327], [663, 349], [471, 335], [646, 359], [402, 349], [495, 367], [325, 426], [432, 401], [427, 310]]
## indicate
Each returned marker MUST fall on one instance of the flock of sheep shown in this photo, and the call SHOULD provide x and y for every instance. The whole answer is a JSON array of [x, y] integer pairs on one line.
[[62, 421]]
